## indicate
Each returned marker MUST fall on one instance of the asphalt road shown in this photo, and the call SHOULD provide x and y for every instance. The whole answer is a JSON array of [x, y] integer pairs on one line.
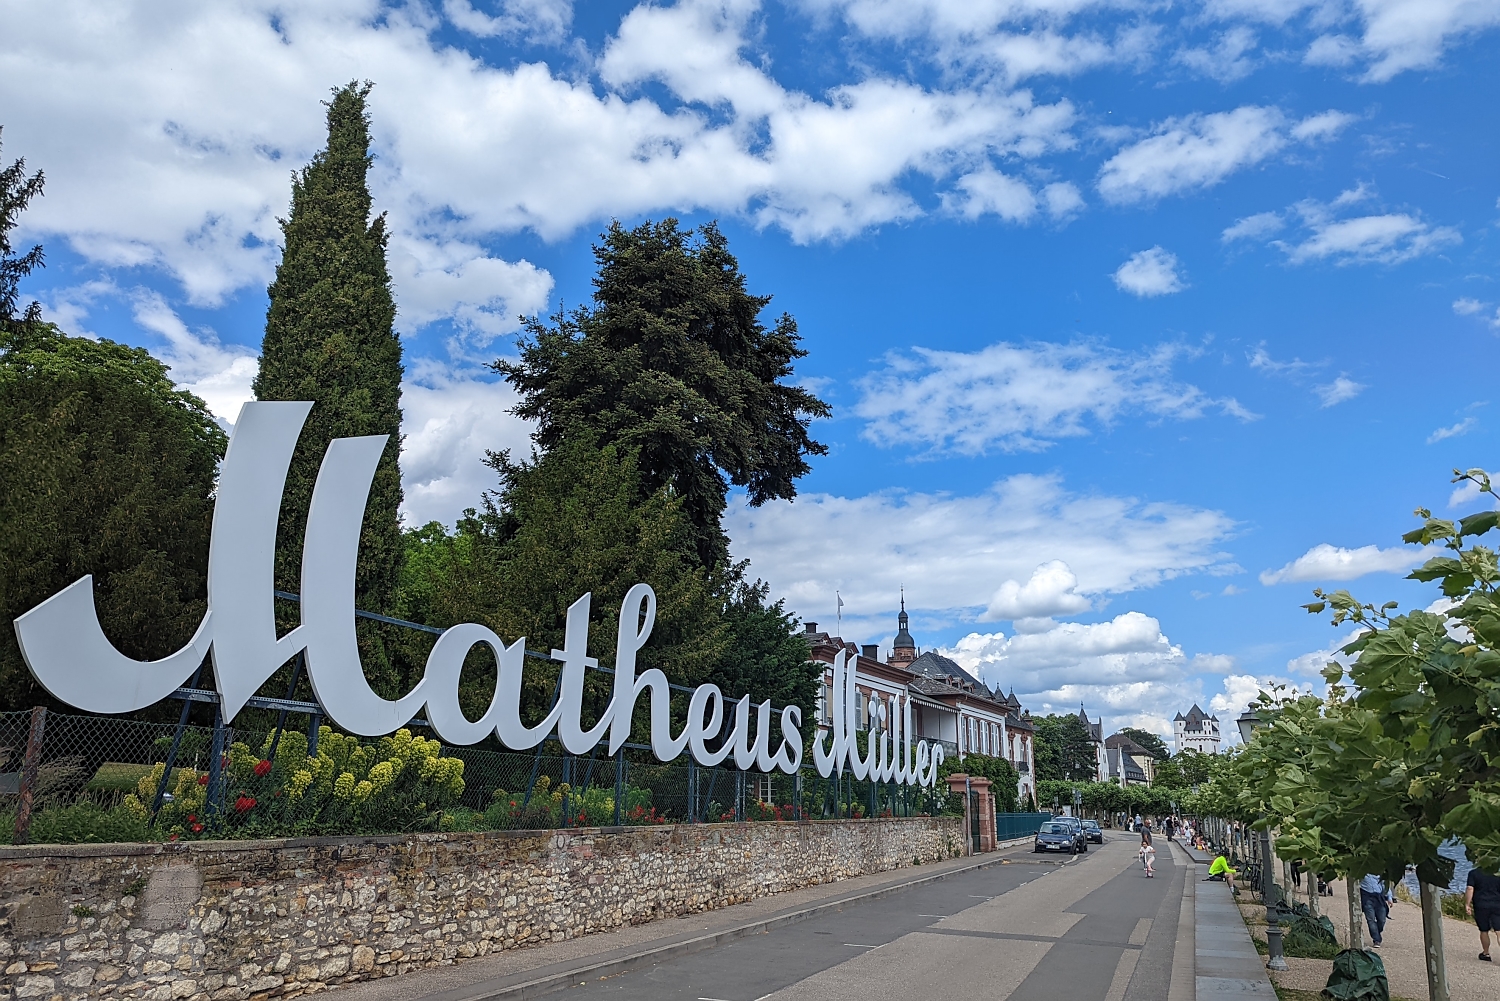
[[1087, 929]]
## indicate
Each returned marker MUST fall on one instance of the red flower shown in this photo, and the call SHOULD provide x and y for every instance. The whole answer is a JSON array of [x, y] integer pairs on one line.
[[203, 780], [192, 818], [262, 769], [244, 803], [197, 828], [172, 838]]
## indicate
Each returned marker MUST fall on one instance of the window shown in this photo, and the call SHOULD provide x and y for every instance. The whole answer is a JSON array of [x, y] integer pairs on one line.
[[861, 712]]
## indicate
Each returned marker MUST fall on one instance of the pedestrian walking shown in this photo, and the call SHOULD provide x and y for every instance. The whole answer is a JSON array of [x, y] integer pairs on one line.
[[1297, 873], [1482, 901], [1375, 900]]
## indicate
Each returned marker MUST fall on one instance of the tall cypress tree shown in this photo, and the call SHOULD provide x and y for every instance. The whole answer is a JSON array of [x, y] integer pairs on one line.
[[330, 338]]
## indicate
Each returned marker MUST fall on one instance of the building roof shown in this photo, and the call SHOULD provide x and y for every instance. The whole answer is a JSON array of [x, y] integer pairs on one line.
[[1195, 715], [1124, 743], [1096, 730], [1119, 758]]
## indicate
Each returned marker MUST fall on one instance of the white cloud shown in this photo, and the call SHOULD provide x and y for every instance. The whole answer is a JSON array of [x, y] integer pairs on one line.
[[1326, 234], [541, 21], [1461, 428], [167, 132], [952, 551], [1062, 198], [1226, 61], [1467, 495], [1411, 34], [1383, 239], [1021, 397], [1331, 50], [1311, 664], [449, 419], [216, 374], [1150, 273], [989, 192], [1261, 360], [1327, 125], [1124, 670], [457, 280], [1199, 151], [1240, 690], [1012, 41], [1324, 562], [1471, 307], [1393, 36], [1338, 391], [1051, 590], [1196, 151], [1253, 227]]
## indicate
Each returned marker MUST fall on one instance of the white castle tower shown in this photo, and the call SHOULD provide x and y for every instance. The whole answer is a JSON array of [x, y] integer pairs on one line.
[[1197, 732]]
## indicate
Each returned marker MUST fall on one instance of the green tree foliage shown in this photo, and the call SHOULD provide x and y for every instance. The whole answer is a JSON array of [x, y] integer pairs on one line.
[[672, 362], [108, 470], [330, 339], [1150, 741], [765, 655], [1001, 773], [566, 523], [16, 192], [1183, 770], [1064, 749]]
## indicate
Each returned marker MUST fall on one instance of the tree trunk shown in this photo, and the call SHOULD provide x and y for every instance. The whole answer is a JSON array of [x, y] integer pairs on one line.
[[1356, 915], [1432, 941]]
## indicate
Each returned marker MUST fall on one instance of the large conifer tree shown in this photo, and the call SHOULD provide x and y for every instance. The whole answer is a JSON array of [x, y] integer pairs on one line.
[[330, 339]]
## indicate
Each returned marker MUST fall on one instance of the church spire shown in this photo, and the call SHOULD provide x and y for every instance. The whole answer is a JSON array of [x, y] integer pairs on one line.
[[904, 648]]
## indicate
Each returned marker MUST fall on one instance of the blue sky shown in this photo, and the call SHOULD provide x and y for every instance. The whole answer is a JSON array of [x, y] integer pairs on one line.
[[1139, 319]]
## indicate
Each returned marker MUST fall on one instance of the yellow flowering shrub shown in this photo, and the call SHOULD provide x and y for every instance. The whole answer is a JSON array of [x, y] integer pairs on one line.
[[397, 783]]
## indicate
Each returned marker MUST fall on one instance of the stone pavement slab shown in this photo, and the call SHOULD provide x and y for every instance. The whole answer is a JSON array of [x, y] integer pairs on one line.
[[1225, 961]]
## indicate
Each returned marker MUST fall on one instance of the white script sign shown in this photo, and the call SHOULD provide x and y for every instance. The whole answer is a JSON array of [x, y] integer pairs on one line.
[[67, 651]]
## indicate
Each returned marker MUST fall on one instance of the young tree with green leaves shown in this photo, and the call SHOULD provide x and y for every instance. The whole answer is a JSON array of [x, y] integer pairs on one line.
[[672, 361]]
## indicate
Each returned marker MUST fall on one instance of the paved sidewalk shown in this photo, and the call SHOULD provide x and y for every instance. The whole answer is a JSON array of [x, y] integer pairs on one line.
[[1224, 958], [525, 972]]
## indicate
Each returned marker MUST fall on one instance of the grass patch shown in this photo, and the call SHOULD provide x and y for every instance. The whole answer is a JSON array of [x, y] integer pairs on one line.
[[121, 776], [83, 823]]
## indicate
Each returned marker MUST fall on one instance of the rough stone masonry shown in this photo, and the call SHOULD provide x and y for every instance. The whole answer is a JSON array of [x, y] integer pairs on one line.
[[212, 921]]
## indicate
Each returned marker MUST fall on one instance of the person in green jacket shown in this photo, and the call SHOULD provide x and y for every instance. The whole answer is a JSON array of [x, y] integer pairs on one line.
[[1220, 867]]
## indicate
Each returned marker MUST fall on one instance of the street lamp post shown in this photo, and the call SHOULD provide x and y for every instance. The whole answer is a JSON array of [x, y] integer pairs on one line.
[[1248, 723]]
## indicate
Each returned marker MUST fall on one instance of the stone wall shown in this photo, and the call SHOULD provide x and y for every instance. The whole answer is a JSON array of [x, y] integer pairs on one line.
[[213, 921]]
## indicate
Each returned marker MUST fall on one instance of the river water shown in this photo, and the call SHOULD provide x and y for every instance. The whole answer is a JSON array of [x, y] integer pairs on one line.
[[1448, 849]]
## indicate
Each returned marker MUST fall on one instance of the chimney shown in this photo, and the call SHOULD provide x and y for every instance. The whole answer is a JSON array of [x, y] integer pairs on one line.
[[811, 628], [872, 651]]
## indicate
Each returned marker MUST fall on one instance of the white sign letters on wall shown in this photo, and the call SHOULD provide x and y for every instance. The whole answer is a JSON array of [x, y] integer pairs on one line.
[[67, 651]]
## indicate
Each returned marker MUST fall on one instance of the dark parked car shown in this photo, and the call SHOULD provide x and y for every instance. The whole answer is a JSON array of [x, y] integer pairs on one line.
[[1093, 832], [1059, 835]]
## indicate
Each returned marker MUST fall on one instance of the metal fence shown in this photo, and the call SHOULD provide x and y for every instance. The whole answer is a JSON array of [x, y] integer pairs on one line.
[[52, 763], [1009, 826]]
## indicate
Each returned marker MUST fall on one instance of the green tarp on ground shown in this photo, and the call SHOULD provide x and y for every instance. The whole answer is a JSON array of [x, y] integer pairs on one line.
[[1358, 975], [1310, 938]]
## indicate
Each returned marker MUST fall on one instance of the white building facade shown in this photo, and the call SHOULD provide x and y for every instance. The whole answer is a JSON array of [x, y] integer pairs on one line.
[[1197, 731]]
